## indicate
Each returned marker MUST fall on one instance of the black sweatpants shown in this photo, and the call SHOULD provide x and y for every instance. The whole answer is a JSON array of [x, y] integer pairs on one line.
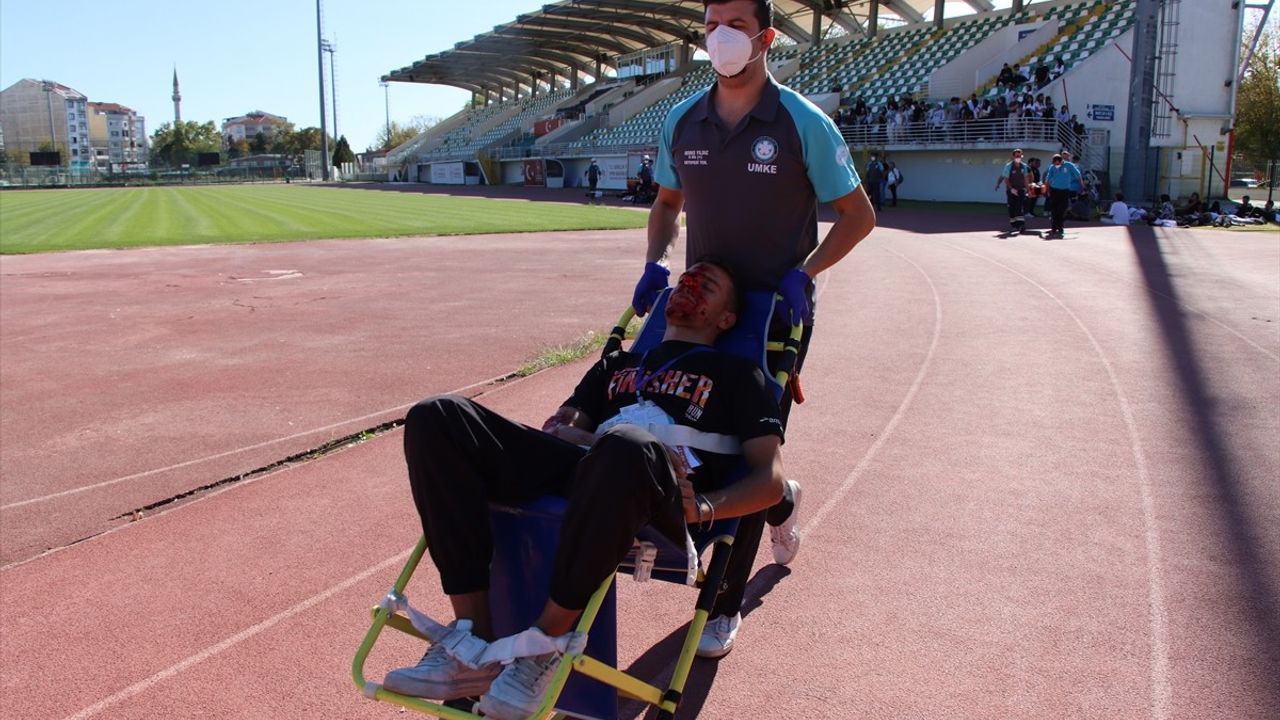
[[462, 456], [1059, 201], [1017, 208], [751, 527]]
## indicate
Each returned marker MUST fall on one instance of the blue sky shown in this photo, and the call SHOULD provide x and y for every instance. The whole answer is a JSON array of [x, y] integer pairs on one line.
[[236, 56]]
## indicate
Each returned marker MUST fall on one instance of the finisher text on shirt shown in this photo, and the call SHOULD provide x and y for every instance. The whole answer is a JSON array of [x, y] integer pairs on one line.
[[685, 385]]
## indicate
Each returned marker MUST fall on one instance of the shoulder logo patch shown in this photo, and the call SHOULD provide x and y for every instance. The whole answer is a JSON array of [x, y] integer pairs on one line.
[[842, 154], [764, 149]]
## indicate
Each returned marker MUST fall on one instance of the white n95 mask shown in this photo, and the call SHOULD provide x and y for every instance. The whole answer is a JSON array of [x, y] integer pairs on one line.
[[730, 50]]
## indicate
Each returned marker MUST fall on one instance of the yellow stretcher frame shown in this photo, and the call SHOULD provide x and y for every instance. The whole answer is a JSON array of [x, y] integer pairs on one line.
[[708, 582]]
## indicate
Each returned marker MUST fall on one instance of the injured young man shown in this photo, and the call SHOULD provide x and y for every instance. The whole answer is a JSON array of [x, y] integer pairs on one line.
[[645, 440]]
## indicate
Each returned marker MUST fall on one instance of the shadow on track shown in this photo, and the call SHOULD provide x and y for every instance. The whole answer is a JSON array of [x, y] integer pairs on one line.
[[656, 664], [1249, 564]]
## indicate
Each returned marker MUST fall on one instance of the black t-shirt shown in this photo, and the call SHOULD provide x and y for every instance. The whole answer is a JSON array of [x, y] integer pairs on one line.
[[696, 385]]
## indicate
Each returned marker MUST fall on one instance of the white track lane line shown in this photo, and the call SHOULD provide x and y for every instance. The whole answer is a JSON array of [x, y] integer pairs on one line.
[[1160, 688], [197, 461], [1180, 303], [887, 432], [147, 683], [143, 685]]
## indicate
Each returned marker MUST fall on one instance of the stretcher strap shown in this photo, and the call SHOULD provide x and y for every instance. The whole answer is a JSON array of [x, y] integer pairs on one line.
[[685, 436], [474, 652]]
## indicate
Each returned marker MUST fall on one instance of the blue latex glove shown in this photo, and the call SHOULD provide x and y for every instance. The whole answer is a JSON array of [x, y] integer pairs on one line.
[[652, 282], [794, 290]]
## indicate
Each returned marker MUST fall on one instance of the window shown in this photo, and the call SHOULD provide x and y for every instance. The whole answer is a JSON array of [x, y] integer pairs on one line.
[[74, 152]]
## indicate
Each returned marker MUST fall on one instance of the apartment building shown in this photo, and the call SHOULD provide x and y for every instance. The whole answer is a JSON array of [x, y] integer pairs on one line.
[[247, 126], [118, 136], [37, 113]]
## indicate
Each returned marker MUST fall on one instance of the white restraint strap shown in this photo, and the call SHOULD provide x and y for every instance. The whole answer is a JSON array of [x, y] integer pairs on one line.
[[685, 436]]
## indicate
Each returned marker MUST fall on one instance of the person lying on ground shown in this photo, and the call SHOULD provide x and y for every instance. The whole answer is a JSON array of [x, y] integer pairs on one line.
[[617, 477]]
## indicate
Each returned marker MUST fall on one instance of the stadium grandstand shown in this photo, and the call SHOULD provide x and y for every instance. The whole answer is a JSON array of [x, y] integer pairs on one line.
[[583, 79]]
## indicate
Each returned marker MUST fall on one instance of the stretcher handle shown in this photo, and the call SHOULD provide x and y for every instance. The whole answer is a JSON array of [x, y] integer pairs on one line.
[[619, 332], [790, 348]]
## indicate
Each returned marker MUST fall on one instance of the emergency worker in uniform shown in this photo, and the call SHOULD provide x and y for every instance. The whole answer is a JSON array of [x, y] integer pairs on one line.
[[747, 161]]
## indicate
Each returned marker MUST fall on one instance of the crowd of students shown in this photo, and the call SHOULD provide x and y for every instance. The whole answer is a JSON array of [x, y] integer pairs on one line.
[[1194, 213], [1026, 115]]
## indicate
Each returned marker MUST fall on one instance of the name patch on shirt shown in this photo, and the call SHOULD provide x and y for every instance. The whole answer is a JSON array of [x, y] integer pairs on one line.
[[696, 157]]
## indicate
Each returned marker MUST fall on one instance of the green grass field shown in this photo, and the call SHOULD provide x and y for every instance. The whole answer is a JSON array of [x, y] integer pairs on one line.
[[44, 221]]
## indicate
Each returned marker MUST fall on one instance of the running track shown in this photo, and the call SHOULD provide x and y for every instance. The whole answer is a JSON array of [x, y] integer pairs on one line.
[[1040, 476]]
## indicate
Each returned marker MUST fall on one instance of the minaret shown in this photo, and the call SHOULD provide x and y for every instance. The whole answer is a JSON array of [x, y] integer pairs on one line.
[[177, 100]]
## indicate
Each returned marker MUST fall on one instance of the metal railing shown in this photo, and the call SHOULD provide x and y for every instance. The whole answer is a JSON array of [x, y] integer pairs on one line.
[[987, 131]]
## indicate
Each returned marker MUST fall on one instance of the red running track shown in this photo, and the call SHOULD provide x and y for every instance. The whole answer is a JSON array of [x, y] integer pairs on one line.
[[1040, 482]]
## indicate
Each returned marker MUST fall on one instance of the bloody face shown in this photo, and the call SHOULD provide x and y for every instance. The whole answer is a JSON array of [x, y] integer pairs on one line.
[[700, 293]]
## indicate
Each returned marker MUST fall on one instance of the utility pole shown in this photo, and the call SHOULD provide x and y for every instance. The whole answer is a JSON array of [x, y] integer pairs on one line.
[[324, 111]]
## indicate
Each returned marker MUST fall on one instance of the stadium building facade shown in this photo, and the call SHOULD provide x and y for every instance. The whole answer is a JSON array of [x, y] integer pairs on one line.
[[595, 78]]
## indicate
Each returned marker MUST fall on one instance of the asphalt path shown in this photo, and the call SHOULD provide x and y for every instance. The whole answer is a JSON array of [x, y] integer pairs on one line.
[[1040, 481]]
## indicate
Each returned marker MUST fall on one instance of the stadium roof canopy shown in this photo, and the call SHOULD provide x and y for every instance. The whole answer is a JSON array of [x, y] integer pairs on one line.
[[573, 38]]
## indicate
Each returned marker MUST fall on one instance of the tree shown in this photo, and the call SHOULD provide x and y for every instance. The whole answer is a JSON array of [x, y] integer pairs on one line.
[[342, 153], [308, 138], [259, 144], [1258, 105], [237, 148], [401, 134], [175, 145]]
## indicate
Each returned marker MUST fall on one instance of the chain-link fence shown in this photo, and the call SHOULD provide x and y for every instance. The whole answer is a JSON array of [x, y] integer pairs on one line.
[[27, 176]]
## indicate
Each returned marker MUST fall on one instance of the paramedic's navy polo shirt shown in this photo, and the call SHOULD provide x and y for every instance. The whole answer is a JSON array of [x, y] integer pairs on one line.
[[752, 193]]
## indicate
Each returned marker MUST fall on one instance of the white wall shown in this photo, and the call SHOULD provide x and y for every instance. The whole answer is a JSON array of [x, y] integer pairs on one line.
[[951, 175], [982, 62]]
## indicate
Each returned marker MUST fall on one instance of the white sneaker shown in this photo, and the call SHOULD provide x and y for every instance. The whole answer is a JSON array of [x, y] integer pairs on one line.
[[786, 537], [441, 677], [519, 690], [718, 636]]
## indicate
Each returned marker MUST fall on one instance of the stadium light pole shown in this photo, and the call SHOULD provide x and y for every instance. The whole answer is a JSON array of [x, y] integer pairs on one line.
[[386, 101], [329, 47], [324, 126]]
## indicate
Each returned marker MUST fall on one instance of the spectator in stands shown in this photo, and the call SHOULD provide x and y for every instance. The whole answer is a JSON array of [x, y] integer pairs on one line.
[[1041, 74], [1058, 69], [984, 110], [1165, 214], [893, 179], [1018, 77], [1005, 79], [937, 120], [1078, 128], [761, 215], [1119, 212], [1064, 115]]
